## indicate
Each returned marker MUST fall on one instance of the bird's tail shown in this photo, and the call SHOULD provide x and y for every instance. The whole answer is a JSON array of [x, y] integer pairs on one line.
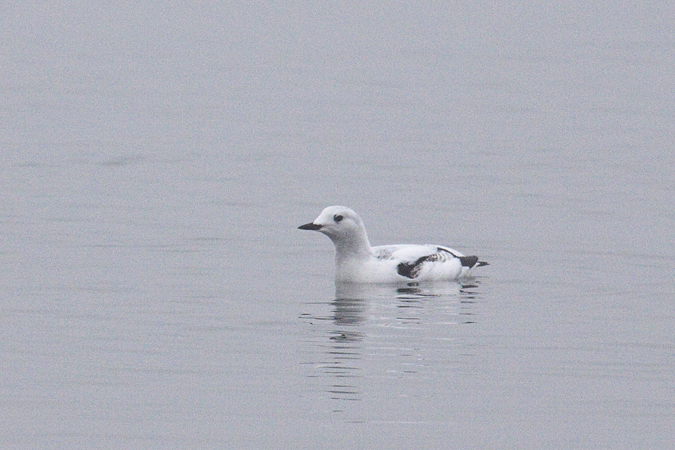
[[471, 261]]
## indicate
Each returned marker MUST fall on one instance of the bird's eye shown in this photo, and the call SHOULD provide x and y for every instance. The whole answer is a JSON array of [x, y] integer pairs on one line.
[[337, 217]]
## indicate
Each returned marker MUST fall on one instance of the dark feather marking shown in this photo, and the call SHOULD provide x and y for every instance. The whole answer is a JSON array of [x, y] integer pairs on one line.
[[445, 250], [411, 270], [468, 261], [472, 261]]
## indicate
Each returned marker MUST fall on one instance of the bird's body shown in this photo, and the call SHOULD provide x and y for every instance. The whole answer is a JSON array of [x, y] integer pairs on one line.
[[356, 261]]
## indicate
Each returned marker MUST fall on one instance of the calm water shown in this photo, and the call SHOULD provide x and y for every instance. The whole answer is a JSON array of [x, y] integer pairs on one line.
[[156, 162]]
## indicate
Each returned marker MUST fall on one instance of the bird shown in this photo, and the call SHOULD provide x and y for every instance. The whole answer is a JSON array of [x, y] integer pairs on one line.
[[356, 261]]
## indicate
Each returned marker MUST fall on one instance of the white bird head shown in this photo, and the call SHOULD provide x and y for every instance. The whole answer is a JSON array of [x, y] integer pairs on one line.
[[344, 227]]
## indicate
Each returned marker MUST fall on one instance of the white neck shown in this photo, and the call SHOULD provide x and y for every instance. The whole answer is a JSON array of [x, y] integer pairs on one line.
[[356, 244]]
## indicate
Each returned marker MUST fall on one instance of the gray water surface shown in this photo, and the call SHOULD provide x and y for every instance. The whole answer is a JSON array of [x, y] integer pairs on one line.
[[157, 160]]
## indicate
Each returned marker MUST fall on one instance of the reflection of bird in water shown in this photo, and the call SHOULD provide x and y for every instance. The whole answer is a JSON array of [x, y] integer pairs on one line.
[[345, 349], [349, 311], [374, 324], [353, 299], [358, 262], [364, 292]]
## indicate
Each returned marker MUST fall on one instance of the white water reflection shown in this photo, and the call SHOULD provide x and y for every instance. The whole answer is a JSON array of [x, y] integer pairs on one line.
[[384, 332]]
